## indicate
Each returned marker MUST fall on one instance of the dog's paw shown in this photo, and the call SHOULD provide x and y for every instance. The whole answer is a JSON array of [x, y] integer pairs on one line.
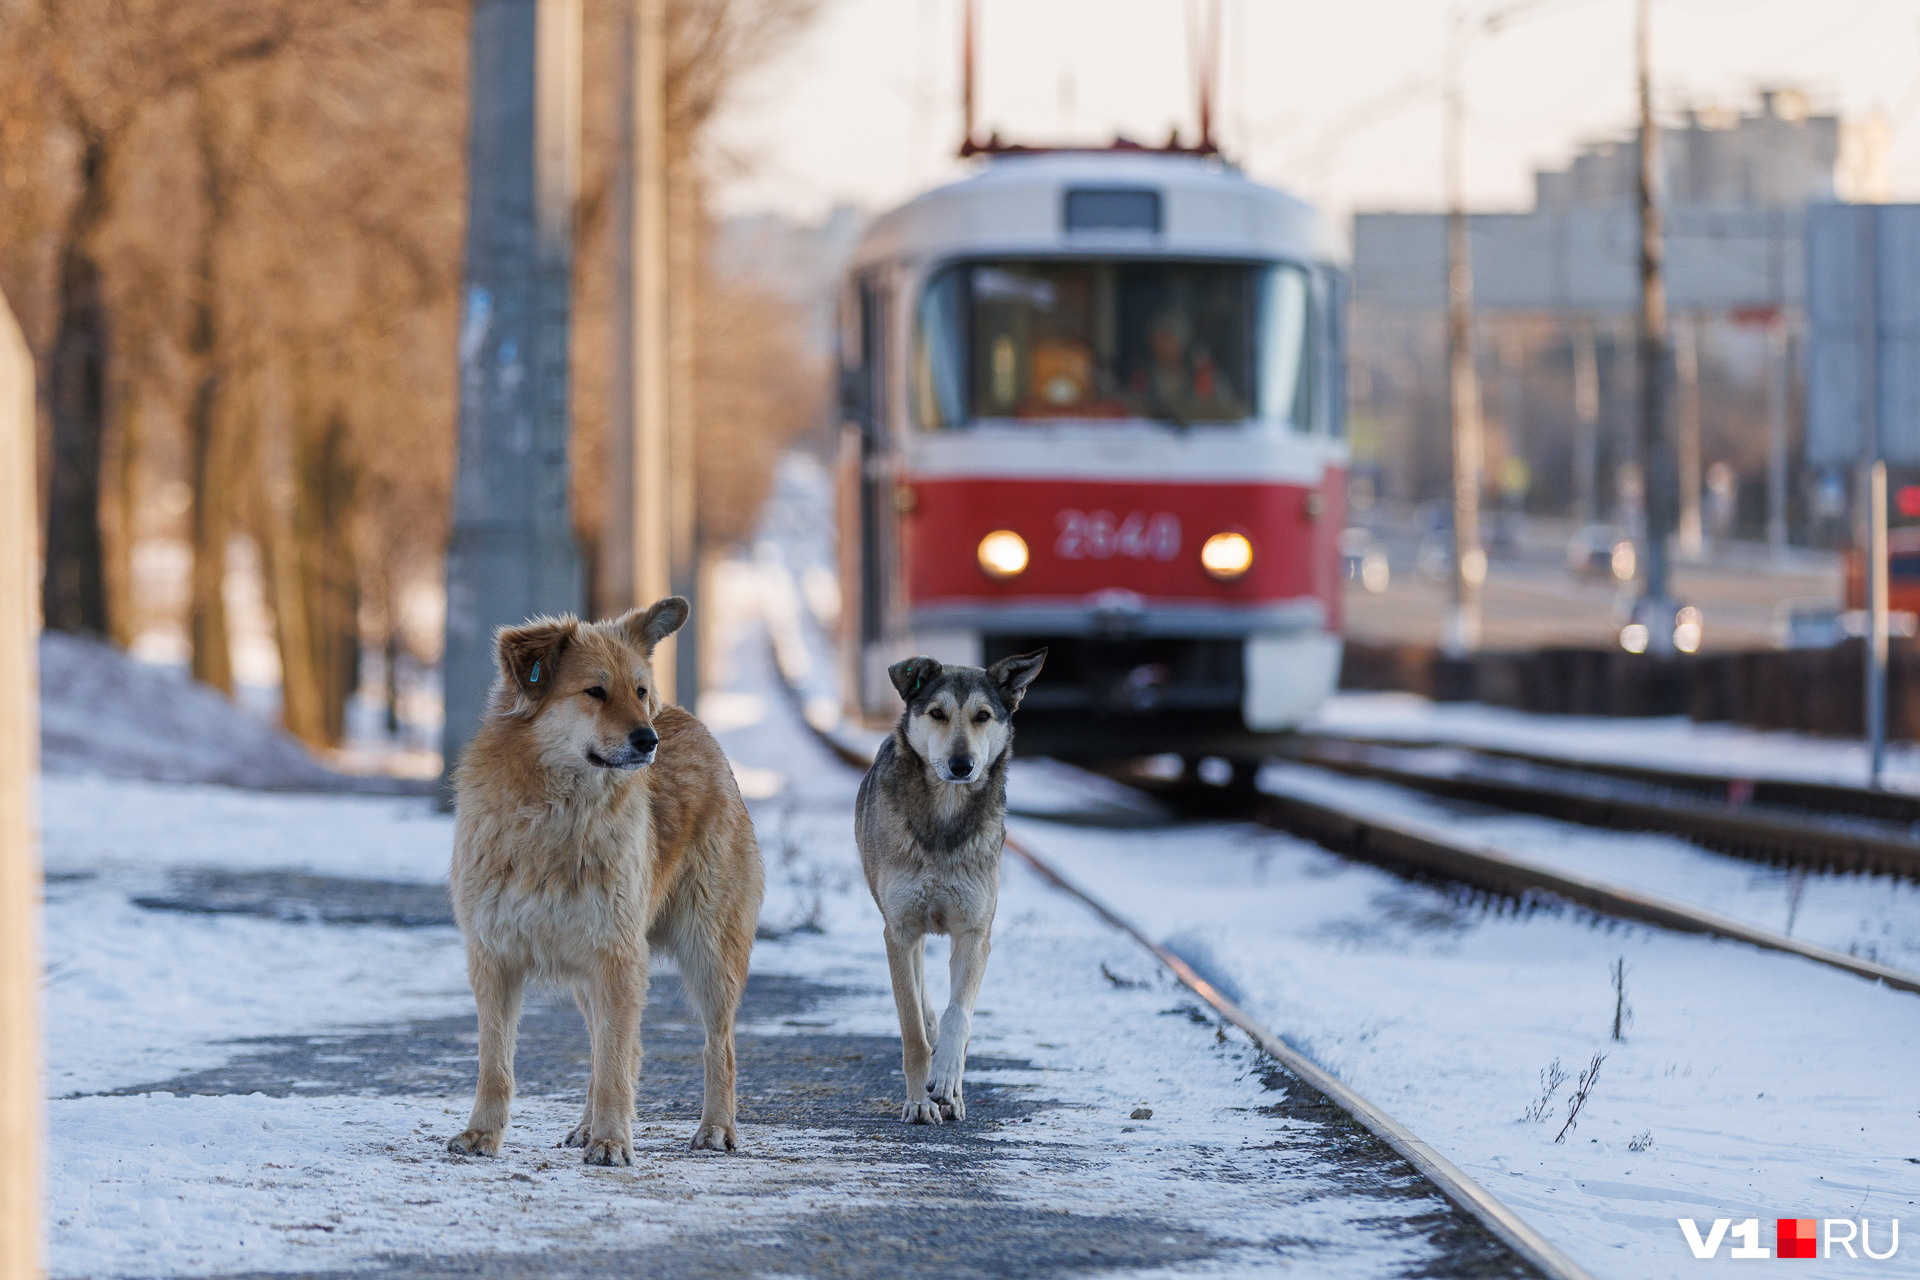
[[946, 1090], [476, 1142], [921, 1111], [715, 1137], [576, 1136], [609, 1151]]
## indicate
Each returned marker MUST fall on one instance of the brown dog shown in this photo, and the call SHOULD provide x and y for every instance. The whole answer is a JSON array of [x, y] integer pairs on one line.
[[572, 858]]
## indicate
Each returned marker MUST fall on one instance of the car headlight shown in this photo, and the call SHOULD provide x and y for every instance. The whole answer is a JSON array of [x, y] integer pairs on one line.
[[1226, 555], [1003, 554]]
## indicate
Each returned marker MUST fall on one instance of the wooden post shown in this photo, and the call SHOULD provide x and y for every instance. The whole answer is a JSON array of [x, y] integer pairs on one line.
[[19, 853]]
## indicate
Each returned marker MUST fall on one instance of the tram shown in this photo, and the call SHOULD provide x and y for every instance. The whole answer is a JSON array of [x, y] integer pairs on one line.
[[1093, 400]]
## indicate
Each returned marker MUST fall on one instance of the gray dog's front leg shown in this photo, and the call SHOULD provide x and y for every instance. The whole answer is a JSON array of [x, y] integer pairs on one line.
[[968, 967], [914, 1049]]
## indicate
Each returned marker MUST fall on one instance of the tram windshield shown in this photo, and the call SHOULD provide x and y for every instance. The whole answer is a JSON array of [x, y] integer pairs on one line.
[[1181, 342]]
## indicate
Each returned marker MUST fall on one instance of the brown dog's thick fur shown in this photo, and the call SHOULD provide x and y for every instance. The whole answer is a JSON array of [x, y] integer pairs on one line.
[[593, 824]]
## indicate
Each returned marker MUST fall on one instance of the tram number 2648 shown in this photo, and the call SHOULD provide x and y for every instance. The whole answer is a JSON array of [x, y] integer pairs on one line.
[[1099, 535]]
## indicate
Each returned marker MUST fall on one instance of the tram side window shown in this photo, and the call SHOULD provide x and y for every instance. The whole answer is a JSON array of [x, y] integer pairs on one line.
[[939, 375]]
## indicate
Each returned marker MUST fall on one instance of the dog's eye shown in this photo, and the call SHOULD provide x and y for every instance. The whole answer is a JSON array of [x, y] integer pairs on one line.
[[642, 691], [597, 694], [939, 714], [982, 716]]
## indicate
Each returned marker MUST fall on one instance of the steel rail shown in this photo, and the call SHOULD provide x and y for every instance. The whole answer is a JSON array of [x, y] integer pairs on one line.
[[1469, 1196], [1404, 843], [1749, 831], [1733, 789]]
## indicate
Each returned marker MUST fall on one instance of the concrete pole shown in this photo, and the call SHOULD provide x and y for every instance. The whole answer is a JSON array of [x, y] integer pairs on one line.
[[1778, 371], [513, 552], [1877, 625], [637, 533], [20, 1087], [1686, 362], [1586, 415], [686, 245], [653, 452], [1469, 558], [611, 592], [1873, 492], [1655, 462]]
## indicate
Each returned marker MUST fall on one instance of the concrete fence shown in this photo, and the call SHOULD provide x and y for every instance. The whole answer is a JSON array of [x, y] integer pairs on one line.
[[20, 1250], [1816, 691]]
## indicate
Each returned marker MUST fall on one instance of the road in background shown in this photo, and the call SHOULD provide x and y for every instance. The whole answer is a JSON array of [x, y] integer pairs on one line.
[[1532, 599]]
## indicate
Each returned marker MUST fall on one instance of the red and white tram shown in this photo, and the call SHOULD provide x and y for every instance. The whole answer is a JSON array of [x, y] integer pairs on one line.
[[1094, 401]]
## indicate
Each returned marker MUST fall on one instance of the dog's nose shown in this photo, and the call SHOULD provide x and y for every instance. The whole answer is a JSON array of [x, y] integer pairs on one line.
[[643, 739], [962, 766]]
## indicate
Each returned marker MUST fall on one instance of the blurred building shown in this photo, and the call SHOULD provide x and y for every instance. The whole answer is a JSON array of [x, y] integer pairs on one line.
[[1557, 295]]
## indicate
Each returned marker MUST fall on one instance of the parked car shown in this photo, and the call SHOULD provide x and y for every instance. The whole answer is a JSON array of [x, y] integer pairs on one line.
[[1601, 551]]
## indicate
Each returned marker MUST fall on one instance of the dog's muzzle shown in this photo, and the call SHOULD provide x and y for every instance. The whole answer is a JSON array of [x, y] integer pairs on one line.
[[961, 769], [641, 746]]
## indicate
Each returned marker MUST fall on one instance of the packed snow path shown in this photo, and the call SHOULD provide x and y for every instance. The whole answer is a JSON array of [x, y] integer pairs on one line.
[[260, 1040]]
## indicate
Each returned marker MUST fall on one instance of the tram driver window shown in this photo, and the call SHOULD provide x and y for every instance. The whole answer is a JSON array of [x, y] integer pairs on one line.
[[1170, 341]]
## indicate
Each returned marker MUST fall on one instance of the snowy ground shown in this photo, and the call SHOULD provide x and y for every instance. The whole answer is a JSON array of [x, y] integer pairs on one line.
[[1746, 1084], [1874, 917], [260, 1040], [1672, 742]]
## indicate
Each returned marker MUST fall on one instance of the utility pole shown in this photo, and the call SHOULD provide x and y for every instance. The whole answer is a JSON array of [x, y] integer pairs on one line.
[[637, 568], [1586, 413], [1469, 559], [1872, 484], [1656, 604], [513, 553], [20, 972], [1778, 372], [1686, 361]]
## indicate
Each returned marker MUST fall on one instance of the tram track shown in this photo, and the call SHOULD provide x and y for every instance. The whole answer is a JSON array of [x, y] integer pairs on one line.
[[1782, 822], [1443, 1175], [1427, 850]]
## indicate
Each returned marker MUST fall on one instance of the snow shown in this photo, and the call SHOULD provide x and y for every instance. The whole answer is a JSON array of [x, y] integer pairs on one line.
[[1768, 1086], [107, 714], [1754, 1084], [1651, 741], [1763, 1085], [156, 1184], [1874, 917], [158, 1180]]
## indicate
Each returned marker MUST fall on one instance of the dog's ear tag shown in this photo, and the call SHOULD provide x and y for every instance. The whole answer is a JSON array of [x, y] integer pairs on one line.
[[535, 677]]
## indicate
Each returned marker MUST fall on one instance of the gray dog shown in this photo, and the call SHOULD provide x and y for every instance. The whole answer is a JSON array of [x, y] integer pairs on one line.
[[930, 821]]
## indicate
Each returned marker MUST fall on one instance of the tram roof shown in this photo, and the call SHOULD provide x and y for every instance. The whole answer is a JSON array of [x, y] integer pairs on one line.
[[1019, 204]]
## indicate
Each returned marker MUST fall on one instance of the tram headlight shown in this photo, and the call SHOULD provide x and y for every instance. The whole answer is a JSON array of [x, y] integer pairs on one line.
[[1002, 554], [1226, 555]]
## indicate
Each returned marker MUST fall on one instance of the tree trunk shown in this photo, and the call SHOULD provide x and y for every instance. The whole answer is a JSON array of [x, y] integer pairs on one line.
[[119, 513], [280, 544], [207, 435], [73, 591], [324, 488]]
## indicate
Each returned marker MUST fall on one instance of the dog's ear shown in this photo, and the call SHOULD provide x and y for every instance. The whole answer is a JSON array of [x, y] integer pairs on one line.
[[1012, 675], [646, 628], [530, 656], [910, 675]]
